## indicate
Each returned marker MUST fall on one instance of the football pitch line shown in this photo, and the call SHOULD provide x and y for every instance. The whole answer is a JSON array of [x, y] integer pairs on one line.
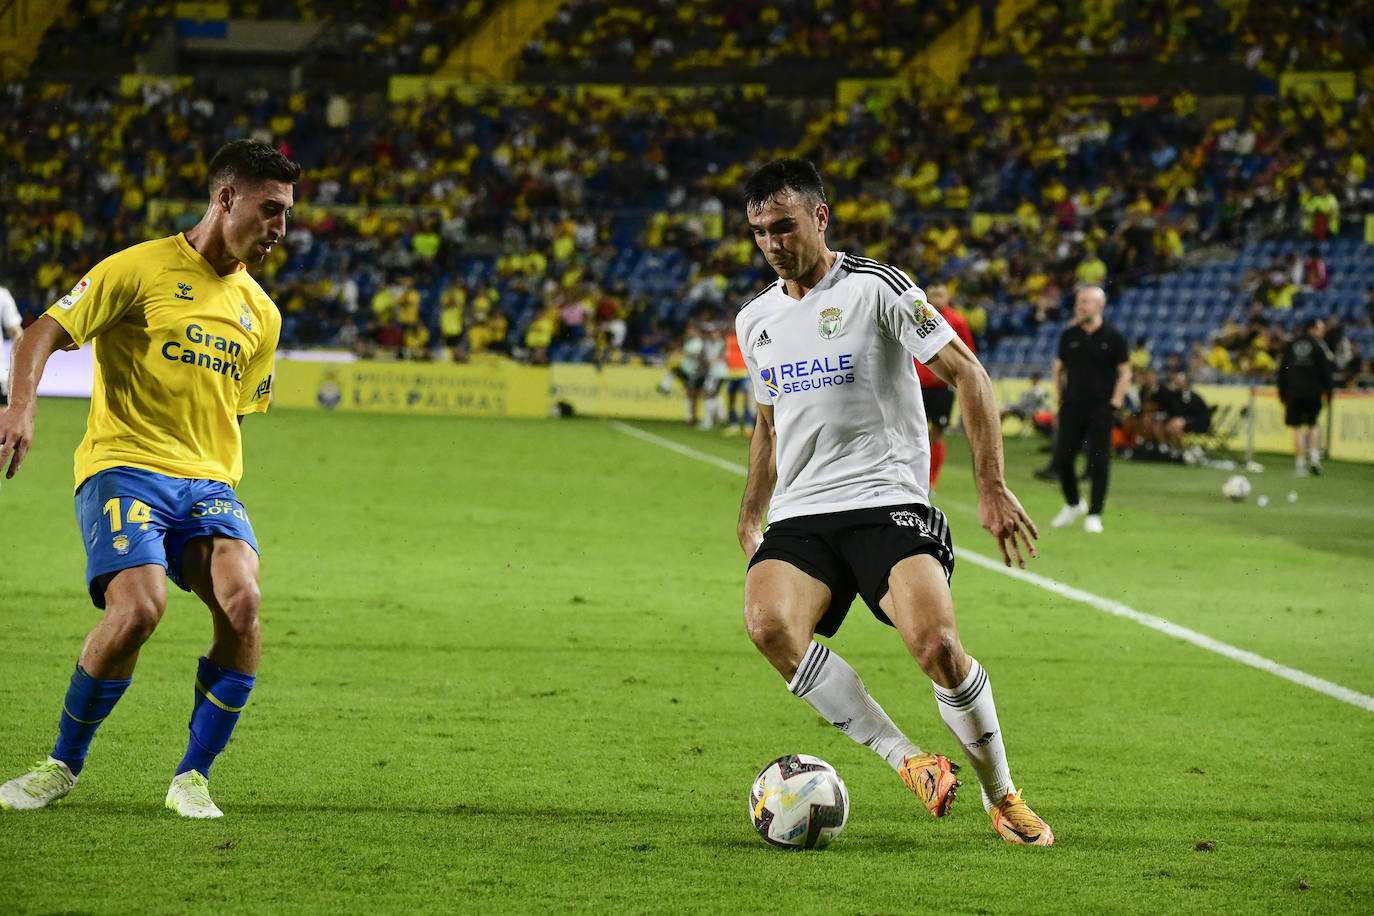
[[1106, 605]]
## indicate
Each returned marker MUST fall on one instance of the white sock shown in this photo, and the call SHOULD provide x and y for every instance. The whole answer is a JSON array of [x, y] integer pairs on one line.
[[971, 715], [834, 690], [1315, 457], [716, 410]]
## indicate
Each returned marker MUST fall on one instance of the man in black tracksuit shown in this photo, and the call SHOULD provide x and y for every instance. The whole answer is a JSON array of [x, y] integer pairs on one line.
[[1304, 378], [1092, 373]]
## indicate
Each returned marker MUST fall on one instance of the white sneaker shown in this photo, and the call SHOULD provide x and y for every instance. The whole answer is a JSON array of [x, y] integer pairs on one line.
[[1093, 524], [189, 796], [45, 784], [1069, 514]]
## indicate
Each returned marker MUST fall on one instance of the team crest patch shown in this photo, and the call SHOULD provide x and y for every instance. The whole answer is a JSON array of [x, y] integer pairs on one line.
[[769, 377], [246, 318], [830, 322], [120, 544], [77, 292]]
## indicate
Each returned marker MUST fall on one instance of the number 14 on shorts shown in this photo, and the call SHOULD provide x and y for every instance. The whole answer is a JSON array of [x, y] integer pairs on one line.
[[140, 514]]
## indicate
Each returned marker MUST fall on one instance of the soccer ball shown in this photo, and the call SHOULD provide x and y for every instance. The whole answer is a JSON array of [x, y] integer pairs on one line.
[[799, 802], [1236, 487]]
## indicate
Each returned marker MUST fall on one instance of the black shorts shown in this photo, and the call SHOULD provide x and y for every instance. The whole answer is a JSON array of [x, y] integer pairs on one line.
[[939, 405], [1302, 411], [1196, 424], [853, 552]]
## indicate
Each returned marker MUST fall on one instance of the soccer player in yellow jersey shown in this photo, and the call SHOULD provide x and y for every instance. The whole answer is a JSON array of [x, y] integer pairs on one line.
[[184, 344]]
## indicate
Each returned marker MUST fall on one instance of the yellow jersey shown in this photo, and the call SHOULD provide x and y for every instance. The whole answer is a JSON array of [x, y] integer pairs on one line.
[[180, 354]]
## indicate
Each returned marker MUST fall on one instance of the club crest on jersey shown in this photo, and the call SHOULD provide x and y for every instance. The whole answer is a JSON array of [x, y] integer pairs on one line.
[[246, 318], [77, 292], [120, 544], [769, 377], [830, 322]]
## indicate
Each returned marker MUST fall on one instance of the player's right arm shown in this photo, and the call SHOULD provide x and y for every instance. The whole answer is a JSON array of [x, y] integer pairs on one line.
[[38, 343], [763, 475], [999, 511]]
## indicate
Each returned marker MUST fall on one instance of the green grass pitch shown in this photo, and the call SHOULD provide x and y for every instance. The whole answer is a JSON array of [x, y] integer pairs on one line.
[[504, 671]]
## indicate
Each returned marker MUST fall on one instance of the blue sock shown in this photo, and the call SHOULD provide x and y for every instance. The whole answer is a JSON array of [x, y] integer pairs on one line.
[[86, 705], [213, 722]]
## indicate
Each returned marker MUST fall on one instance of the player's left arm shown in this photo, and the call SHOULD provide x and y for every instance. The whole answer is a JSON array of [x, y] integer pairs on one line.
[[999, 511], [1122, 352], [1123, 384]]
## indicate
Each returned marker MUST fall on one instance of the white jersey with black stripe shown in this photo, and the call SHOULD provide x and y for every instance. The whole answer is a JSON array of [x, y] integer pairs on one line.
[[836, 368]]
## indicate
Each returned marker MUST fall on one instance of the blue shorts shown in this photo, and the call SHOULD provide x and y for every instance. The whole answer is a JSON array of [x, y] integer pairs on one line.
[[131, 517]]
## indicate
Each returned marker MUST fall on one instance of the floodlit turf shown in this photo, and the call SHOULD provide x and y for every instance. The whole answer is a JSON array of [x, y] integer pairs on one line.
[[504, 671]]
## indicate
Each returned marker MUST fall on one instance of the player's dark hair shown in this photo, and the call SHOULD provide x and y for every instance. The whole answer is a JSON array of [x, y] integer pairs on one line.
[[1309, 325], [772, 180], [250, 162]]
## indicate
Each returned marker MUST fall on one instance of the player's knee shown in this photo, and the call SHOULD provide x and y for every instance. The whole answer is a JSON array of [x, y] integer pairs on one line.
[[767, 628], [936, 649], [136, 617], [241, 609]]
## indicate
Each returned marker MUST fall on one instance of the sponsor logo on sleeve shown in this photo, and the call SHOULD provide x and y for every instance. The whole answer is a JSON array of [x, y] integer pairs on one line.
[[927, 320], [79, 290]]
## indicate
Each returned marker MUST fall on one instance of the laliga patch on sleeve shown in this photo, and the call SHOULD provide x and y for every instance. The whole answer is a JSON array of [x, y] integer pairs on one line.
[[79, 290], [920, 308], [928, 321]]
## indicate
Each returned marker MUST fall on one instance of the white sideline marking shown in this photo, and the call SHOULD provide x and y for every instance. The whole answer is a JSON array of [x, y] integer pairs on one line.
[[1106, 605]]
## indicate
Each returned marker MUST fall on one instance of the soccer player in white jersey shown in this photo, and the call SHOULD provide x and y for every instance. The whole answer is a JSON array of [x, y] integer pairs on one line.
[[12, 327], [840, 460]]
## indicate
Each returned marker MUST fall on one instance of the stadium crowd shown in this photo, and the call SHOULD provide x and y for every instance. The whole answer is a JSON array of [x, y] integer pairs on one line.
[[555, 223], [871, 37], [405, 36]]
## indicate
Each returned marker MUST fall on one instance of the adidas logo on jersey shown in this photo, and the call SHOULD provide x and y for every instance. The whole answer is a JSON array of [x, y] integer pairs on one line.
[[763, 339]]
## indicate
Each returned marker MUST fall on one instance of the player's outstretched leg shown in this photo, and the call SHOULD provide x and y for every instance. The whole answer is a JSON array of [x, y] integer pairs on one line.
[[919, 604], [223, 572], [88, 701], [189, 796], [970, 713], [44, 784], [782, 608], [111, 646], [834, 690]]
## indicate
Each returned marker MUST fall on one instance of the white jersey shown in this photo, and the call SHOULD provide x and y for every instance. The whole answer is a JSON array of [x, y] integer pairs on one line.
[[836, 367], [10, 324], [9, 312]]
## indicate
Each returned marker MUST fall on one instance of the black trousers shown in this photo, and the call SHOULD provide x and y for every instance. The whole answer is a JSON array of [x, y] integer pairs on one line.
[[1080, 424]]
